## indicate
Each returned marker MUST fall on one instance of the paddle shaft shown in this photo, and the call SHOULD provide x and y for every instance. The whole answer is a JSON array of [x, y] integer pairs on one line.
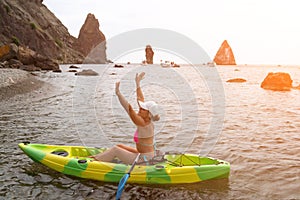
[[133, 164], [125, 178]]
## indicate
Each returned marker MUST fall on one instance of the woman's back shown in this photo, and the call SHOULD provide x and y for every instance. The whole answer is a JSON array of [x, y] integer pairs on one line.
[[145, 142]]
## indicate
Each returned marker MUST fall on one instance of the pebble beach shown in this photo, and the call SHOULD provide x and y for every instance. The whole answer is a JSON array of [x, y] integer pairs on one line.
[[16, 81]]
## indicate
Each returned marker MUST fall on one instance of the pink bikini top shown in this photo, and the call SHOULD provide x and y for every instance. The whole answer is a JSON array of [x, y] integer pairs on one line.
[[135, 137]]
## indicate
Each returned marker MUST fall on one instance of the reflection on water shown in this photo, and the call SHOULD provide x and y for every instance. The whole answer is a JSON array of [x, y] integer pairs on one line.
[[260, 135]]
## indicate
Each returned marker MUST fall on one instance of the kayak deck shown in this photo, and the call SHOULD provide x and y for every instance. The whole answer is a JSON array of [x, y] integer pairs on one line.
[[166, 169]]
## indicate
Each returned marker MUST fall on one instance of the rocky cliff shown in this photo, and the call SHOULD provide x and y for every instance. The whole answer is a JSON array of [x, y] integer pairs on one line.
[[91, 41], [31, 24], [225, 55]]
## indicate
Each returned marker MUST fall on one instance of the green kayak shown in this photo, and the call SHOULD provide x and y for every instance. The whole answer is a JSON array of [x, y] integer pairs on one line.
[[170, 168]]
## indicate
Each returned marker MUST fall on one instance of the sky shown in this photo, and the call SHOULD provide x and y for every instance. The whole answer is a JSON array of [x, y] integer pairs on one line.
[[258, 31]]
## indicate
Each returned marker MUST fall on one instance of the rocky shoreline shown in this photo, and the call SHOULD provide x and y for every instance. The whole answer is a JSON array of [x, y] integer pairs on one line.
[[16, 81]]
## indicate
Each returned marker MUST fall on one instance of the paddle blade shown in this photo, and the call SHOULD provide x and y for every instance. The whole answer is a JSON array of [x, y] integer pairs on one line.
[[122, 185]]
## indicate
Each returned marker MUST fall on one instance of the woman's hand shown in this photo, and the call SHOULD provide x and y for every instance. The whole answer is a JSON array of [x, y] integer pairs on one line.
[[138, 78]]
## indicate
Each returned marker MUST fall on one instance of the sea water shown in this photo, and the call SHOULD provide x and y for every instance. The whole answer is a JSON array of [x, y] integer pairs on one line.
[[256, 130]]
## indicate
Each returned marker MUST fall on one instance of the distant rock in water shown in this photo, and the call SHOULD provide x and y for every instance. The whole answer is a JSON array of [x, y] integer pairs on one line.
[[91, 41], [118, 66], [74, 67], [149, 54], [225, 55], [236, 80], [87, 72], [279, 81], [297, 87]]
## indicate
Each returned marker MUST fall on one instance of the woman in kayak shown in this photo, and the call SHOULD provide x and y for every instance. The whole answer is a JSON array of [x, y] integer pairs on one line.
[[144, 134]]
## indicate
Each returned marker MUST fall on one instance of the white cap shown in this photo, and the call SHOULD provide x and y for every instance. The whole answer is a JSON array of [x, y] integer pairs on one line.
[[151, 106]]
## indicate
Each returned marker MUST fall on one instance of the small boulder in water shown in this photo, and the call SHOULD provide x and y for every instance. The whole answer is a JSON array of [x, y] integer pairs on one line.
[[118, 66], [236, 80], [297, 87], [57, 70], [87, 72], [279, 81], [74, 67]]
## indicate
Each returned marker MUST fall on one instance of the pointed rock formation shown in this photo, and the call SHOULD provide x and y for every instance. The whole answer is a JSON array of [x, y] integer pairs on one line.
[[149, 54], [224, 55], [91, 41]]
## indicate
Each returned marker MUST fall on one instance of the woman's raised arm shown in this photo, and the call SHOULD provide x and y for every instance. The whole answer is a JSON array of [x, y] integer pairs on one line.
[[136, 119], [139, 93]]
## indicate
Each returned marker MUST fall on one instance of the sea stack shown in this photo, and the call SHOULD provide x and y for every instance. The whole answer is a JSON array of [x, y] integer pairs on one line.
[[91, 41], [149, 54], [224, 55]]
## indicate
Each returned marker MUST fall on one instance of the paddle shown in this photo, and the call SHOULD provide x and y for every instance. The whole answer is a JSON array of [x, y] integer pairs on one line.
[[125, 178]]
